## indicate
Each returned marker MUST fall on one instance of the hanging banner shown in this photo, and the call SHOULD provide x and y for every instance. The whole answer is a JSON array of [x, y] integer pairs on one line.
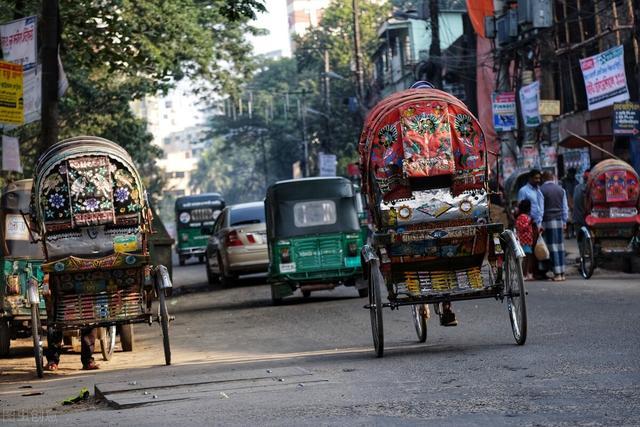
[[11, 154], [18, 40], [529, 100], [548, 156], [504, 111], [32, 94], [11, 96], [327, 164], [626, 118], [604, 78], [529, 157]]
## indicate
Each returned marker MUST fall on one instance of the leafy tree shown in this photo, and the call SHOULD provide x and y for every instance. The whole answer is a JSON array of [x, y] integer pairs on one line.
[[114, 51]]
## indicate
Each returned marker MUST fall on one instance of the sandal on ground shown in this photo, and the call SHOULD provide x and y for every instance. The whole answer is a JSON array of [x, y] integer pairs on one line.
[[558, 278], [51, 366], [448, 318], [91, 366]]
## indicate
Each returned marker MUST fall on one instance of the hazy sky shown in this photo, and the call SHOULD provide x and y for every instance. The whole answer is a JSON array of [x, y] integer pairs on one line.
[[274, 20]]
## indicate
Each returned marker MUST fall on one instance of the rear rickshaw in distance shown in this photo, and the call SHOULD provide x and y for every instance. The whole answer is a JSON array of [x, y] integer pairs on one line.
[[21, 275], [612, 222], [195, 214], [91, 214], [424, 168], [314, 236]]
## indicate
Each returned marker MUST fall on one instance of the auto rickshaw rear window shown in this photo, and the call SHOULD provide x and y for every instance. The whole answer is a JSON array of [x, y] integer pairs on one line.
[[313, 213]]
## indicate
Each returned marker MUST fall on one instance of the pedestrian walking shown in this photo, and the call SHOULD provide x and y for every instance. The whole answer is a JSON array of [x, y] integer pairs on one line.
[[531, 191], [524, 231], [579, 200], [556, 213]]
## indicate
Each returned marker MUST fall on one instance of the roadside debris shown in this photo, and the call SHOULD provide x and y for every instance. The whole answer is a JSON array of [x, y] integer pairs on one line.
[[223, 395], [83, 395], [33, 393]]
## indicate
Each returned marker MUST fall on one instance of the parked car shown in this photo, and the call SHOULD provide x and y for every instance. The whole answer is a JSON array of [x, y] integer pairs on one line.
[[238, 244]]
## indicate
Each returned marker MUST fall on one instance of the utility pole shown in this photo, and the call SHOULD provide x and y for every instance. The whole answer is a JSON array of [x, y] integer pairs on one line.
[[358, 52], [327, 90], [49, 132], [435, 54]]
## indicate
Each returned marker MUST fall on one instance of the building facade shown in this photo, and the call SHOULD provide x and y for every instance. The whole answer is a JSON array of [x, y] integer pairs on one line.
[[303, 14], [182, 152]]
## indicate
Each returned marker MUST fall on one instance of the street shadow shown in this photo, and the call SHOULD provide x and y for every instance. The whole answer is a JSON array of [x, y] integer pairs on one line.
[[262, 303]]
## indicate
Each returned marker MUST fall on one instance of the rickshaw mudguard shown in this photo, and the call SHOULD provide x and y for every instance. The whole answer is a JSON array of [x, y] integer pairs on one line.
[[510, 239]]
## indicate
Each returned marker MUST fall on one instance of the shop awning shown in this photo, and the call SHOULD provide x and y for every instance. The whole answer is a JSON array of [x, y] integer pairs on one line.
[[573, 141]]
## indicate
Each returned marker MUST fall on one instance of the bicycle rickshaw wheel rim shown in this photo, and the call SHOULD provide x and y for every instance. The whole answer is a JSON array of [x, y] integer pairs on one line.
[[586, 248], [516, 303], [419, 322], [375, 309]]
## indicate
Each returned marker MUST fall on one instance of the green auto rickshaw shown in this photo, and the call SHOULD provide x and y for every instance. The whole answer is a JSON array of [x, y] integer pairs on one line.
[[21, 269], [314, 236]]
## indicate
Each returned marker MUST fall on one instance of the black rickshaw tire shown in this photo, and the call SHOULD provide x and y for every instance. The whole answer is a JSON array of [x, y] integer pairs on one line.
[[420, 321], [515, 292], [5, 337], [107, 341], [37, 341], [375, 307]]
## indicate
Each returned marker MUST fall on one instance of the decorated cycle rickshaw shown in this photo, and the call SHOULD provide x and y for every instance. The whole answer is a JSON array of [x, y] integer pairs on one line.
[[424, 167], [91, 212], [612, 220]]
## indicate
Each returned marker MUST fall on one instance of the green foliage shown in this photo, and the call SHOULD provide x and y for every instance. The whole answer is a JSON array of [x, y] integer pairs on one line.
[[114, 51], [249, 153]]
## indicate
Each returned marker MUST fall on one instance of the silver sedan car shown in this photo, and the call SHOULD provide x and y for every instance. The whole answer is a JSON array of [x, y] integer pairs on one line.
[[238, 244]]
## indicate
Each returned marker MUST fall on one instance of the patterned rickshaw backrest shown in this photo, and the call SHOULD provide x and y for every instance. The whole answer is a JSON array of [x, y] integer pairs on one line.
[[421, 135], [87, 181], [613, 181]]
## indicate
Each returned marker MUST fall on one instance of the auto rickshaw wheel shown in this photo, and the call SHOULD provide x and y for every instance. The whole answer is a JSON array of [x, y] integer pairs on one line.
[[515, 293], [107, 341], [418, 312], [363, 292], [37, 343], [375, 307], [5, 337], [306, 294], [181, 260], [127, 337], [587, 258]]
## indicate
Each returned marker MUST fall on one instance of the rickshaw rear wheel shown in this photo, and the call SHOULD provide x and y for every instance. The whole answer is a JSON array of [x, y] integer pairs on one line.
[[587, 259], [420, 321], [127, 338], [375, 307], [164, 322], [5, 337], [37, 344], [107, 341], [515, 292]]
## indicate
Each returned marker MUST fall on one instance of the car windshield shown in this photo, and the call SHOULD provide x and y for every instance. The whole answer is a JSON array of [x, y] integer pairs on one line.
[[246, 215]]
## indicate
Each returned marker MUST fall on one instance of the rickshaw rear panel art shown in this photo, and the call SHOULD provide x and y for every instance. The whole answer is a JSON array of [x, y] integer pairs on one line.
[[423, 159], [95, 222]]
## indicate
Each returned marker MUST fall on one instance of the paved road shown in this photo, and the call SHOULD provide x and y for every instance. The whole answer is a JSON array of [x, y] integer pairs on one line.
[[311, 362]]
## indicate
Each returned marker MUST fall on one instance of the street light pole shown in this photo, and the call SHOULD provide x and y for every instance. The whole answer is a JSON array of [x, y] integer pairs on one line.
[[327, 91]]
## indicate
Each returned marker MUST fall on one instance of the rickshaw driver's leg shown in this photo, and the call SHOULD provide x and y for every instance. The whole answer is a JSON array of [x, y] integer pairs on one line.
[[88, 345], [447, 316], [54, 349]]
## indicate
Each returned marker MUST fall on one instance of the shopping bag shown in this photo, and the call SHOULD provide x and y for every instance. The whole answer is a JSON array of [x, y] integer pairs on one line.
[[541, 251]]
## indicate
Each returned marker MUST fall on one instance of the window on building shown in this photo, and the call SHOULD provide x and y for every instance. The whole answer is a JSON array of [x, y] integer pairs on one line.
[[179, 174]]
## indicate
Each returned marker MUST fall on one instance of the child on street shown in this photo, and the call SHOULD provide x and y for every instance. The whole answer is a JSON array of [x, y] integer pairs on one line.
[[524, 232]]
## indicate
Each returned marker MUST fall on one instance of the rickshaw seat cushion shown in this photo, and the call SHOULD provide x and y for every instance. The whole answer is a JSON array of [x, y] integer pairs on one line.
[[593, 221], [92, 241]]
